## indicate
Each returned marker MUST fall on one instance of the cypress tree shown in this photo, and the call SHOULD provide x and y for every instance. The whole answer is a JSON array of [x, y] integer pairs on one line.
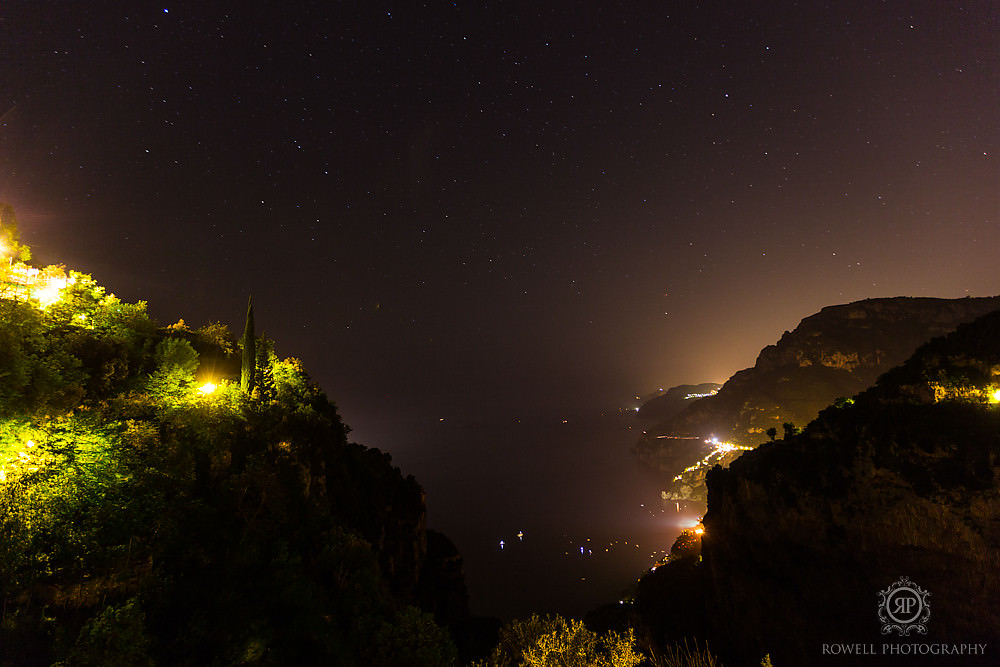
[[265, 374], [249, 358]]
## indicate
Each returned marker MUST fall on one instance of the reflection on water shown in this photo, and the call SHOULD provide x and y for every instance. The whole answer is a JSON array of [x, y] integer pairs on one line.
[[579, 520]]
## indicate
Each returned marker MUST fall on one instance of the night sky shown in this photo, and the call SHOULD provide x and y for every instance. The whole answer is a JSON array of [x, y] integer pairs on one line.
[[463, 208]]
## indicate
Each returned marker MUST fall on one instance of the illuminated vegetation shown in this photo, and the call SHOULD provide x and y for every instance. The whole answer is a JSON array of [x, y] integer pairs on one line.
[[151, 512], [552, 640]]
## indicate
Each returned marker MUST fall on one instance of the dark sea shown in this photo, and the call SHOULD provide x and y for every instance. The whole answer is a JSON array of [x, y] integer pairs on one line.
[[550, 514]]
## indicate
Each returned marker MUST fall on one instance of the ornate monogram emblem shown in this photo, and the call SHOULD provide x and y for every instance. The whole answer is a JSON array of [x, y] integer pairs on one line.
[[904, 607]]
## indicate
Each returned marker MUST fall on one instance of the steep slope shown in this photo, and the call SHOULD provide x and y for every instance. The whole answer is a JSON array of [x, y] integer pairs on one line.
[[837, 352], [803, 534], [146, 518], [675, 400]]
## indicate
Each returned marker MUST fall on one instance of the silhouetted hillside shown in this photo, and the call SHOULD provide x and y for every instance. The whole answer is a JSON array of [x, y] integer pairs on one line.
[[803, 534], [837, 352], [147, 517], [675, 400]]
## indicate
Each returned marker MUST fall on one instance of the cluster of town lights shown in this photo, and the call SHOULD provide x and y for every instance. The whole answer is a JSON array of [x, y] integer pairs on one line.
[[719, 449], [694, 525]]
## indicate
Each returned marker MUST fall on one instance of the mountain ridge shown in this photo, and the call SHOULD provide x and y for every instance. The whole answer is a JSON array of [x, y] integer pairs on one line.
[[836, 352], [905, 480], [807, 537]]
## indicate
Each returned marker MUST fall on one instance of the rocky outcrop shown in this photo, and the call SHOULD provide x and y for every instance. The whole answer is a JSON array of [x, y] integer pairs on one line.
[[803, 534], [837, 352]]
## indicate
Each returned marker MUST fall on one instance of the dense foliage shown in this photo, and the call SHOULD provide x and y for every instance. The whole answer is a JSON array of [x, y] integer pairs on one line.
[[541, 641], [146, 518]]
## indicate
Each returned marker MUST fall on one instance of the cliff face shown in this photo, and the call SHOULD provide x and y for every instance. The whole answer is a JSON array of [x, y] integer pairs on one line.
[[802, 534], [837, 352]]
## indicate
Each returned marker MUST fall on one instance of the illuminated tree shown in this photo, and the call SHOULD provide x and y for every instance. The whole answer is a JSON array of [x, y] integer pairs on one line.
[[79, 301], [249, 344], [263, 387], [217, 334], [39, 370], [177, 362], [552, 640]]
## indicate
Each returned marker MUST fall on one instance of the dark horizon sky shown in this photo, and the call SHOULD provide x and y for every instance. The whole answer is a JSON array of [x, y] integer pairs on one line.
[[452, 208]]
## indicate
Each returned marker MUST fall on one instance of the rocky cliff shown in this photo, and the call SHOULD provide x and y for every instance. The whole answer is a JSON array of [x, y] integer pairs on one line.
[[803, 534], [837, 352]]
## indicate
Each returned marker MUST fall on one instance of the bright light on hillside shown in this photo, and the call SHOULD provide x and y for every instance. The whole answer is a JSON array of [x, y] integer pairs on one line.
[[719, 450], [49, 294], [995, 396], [207, 388]]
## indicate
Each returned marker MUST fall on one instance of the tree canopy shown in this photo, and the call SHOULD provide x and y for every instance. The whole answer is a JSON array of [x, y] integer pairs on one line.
[[154, 513]]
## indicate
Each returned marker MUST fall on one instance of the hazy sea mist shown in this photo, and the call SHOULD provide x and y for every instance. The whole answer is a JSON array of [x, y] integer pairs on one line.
[[591, 517]]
